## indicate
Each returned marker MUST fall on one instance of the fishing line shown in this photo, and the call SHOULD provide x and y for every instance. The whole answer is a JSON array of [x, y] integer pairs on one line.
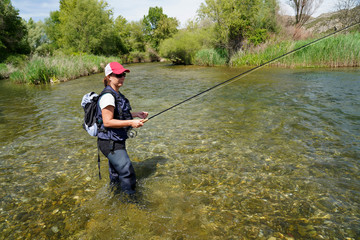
[[250, 70]]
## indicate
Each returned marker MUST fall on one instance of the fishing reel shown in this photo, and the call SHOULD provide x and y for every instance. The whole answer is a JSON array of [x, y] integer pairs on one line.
[[131, 133]]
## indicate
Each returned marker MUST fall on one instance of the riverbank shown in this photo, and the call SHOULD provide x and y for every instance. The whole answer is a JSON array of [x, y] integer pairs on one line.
[[42, 70], [342, 50]]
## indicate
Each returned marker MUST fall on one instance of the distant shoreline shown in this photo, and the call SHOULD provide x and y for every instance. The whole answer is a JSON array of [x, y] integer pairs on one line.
[[329, 53]]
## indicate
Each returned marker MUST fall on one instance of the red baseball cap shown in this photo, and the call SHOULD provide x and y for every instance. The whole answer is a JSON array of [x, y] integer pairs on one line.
[[115, 67]]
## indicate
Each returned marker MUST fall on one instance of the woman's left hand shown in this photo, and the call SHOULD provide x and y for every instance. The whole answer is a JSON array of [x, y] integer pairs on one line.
[[142, 115]]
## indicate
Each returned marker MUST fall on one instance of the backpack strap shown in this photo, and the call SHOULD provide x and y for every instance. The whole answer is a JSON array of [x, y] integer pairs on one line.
[[119, 110], [99, 159]]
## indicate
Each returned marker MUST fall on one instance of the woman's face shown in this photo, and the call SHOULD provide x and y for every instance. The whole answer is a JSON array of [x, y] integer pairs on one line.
[[117, 80]]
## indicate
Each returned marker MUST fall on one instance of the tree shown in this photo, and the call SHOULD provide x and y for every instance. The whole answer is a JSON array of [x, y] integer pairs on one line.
[[123, 30], [239, 20], [166, 28], [158, 26], [85, 26], [349, 11], [137, 38], [12, 31], [303, 10], [36, 35], [52, 28]]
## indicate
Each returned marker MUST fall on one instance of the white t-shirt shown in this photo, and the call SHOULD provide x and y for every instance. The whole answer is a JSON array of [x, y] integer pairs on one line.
[[106, 100]]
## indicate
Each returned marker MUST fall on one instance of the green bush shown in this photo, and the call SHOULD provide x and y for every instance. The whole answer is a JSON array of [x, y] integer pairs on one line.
[[44, 50], [16, 60], [181, 48], [211, 57], [258, 36], [137, 56]]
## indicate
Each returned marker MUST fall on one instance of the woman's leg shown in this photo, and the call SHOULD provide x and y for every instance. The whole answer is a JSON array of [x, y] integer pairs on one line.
[[120, 161], [114, 176]]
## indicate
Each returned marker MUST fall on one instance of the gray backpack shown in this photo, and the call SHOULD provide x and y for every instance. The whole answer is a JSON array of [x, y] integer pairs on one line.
[[89, 103]]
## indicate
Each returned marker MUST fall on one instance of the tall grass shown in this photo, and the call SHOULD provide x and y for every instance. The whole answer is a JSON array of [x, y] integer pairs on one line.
[[341, 50], [211, 57], [3, 70], [40, 70]]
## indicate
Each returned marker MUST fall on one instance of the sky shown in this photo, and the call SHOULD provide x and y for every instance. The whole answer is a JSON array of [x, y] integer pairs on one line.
[[183, 10]]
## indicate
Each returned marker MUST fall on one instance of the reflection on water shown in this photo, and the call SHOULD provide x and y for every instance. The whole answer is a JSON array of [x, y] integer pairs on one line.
[[272, 155]]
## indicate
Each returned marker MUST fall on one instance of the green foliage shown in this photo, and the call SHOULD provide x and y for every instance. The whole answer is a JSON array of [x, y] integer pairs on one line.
[[38, 72], [84, 26], [3, 70], [3, 67], [152, 19], [87, 26], [52, 28], [36, 36], [229, 31], [211, 57], [16, 60], [242, 57], [330, 52], [258, 36], [123, 29], [41, 70], [137, 40], [181, 48], [12, 31], [166, 28], [158, 26], [184, 45], [132, 37], [238, 20], [18, 77], [137, 56]]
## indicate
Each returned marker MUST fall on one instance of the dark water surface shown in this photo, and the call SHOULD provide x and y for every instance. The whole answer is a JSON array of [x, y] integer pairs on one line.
[[274, 155]]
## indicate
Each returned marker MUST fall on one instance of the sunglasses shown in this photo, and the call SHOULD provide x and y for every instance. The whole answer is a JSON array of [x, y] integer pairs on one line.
[[119, 75]]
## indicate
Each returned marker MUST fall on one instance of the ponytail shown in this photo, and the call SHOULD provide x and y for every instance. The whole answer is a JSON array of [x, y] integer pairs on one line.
[[106, 80]]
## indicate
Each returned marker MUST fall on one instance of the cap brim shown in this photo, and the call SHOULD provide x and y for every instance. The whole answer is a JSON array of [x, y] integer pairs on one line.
[[120, 71]]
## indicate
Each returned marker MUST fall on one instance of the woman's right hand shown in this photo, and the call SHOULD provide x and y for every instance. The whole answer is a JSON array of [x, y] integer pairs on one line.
[[136, 123]]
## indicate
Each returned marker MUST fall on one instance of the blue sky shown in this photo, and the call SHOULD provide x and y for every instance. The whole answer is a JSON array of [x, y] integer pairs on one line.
[[183, 10]]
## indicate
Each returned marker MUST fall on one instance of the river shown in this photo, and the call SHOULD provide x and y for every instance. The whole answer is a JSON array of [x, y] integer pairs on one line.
[[273, 155]]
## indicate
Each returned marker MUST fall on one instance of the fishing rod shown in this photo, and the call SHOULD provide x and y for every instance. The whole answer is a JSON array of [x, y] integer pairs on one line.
[[250, 70]]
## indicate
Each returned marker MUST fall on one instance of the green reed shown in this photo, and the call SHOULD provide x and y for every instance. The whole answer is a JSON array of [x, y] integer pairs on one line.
[[3, 70], [42, 70], [211, 57], [338, 51]]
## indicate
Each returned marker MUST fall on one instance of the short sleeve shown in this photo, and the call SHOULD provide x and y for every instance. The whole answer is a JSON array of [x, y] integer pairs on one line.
[[106, 100]]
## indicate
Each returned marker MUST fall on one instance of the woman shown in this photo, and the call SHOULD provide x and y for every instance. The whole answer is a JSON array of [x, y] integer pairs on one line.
[[114, 110]]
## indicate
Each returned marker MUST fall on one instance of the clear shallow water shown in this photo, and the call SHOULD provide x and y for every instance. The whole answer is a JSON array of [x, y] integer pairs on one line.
[[274, 154]]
